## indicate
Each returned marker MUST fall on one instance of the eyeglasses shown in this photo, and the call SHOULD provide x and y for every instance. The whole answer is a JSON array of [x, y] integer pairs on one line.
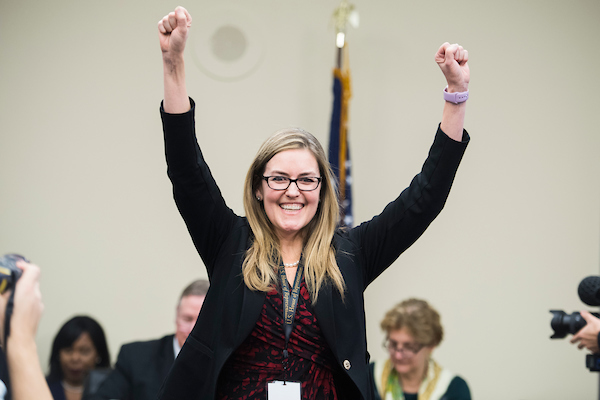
[[305, 184], [407, 349]]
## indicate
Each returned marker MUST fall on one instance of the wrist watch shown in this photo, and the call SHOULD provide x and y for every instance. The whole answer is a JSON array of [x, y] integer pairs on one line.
[[456, 97]]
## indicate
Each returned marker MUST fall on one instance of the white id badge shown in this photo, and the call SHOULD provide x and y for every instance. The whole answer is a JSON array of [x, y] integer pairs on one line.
[[277, 390]]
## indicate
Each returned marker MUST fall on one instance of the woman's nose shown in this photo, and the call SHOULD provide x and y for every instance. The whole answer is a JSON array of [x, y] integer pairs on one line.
[[293, 189], [76, 356]]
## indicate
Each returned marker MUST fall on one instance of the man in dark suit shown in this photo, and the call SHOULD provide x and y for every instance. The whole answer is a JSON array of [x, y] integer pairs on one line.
[[142, 366]]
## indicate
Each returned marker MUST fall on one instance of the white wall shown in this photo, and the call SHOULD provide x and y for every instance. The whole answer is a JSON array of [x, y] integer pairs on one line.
[[84, 192]]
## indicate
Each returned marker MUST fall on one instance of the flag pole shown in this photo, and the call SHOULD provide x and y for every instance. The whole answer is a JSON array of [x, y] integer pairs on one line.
[[339, 154]]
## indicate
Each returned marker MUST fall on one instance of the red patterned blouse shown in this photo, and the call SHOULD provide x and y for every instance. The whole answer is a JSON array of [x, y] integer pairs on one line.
[[259, 359]]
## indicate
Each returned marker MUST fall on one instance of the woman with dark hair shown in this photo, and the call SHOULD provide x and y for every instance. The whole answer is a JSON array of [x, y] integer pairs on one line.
[[79, 346], [284, 317]]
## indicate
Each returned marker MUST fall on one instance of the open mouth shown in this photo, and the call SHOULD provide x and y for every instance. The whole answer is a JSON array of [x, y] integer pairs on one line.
[[291, 207]]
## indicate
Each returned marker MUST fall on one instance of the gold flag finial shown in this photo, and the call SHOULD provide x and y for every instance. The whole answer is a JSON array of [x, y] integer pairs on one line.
[[344, 14]]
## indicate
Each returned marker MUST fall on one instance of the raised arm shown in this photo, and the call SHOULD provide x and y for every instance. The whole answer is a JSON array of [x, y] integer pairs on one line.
[[173, 32], [452, 60]]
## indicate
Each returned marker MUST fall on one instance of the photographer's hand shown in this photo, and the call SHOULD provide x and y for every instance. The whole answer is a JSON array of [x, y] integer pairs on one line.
[[588, 335], [26, 376]]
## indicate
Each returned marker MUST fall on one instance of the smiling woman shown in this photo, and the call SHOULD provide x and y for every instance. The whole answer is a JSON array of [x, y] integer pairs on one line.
[[286, 216], [289, 208], [285, 311]]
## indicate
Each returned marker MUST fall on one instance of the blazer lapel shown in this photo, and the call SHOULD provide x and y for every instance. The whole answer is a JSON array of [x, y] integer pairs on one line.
[[251, 306], [167, 355], [325, 316]]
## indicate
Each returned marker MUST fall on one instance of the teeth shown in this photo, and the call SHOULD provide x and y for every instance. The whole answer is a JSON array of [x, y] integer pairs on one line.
[[291, 206]]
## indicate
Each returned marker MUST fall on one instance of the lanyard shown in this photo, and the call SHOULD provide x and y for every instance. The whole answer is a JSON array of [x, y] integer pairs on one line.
[[290, 302]]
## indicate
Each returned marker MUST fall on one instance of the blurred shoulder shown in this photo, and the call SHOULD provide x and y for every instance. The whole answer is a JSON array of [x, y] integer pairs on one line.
[[147, 345], [458, 389]]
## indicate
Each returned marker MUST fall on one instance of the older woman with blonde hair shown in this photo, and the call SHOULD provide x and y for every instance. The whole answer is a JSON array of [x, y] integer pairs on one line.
[[284, 316], [413, 330]]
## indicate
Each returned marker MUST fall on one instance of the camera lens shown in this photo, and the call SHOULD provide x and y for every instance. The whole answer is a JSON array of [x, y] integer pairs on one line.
[[563, 324]]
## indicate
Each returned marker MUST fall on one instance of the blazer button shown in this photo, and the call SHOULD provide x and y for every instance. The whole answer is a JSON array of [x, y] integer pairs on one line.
[[347, 364]]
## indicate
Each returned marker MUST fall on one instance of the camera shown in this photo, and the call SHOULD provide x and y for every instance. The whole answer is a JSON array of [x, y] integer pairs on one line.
[[563, 324], [9, 272]]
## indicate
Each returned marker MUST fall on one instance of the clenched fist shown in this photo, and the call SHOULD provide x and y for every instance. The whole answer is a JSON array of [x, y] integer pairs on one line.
[[173, 31], [452, 59]]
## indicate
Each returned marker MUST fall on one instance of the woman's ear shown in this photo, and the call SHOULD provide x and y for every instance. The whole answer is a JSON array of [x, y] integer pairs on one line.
[[259, 195]]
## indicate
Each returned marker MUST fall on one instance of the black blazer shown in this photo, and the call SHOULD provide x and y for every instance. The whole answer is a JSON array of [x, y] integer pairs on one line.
[[231, 310], [139, 372], [4, 374]]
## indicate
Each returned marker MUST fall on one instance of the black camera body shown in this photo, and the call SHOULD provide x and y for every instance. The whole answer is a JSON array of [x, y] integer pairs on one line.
[[9, 275], [592, 362], [9, 272]]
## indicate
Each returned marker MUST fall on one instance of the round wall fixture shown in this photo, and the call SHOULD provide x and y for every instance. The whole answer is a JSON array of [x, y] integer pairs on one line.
[[227, 43]]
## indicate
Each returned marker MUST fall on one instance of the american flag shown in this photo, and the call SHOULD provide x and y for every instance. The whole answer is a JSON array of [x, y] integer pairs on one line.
[[339, 149]]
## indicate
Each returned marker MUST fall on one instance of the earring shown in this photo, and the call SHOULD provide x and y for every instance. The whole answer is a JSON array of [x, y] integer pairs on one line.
[[258, 198]]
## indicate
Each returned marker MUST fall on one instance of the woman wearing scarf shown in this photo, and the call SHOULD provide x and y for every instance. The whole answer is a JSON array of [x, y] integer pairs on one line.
[[413, 330]]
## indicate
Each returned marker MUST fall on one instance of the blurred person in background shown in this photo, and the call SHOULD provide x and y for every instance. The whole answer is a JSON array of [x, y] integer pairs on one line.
[[142, 366], [79, 347], [413, 330]]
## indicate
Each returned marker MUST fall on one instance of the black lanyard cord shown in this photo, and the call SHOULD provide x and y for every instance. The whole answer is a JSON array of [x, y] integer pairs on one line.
[[290, 302]]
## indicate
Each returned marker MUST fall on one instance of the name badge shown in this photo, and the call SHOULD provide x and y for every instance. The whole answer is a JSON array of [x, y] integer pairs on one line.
[[278, 390]]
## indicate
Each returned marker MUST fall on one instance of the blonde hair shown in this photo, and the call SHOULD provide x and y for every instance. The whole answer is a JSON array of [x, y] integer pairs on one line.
[[419, 318], [264, 255]]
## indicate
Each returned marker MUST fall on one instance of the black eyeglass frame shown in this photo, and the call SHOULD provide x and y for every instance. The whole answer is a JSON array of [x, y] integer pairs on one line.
[[290, 181]]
